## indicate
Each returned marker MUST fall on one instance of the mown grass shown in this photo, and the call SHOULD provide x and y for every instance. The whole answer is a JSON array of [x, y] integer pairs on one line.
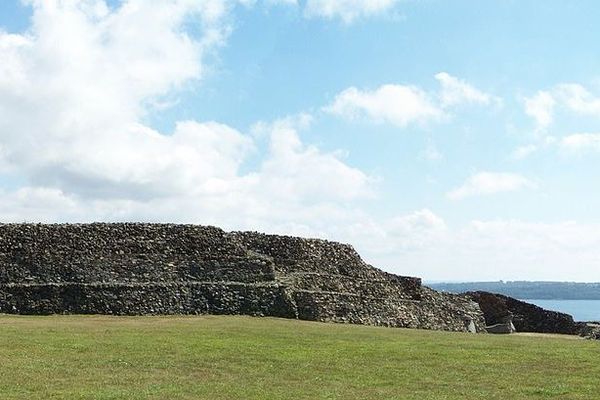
[[97, 357]]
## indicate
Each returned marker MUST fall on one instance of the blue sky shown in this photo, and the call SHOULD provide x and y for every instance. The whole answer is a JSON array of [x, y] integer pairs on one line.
[[449, 140]]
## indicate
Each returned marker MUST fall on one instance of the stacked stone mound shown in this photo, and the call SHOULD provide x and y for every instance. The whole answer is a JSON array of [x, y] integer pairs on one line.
[[590, 330], [139, 269], [526, 317]]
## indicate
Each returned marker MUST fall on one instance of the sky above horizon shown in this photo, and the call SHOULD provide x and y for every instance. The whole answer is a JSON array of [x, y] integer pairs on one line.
[[446, 140]]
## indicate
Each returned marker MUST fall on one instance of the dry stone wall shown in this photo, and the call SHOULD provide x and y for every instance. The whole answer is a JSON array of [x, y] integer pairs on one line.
[[137, 269], [590, 330], [526, 317]]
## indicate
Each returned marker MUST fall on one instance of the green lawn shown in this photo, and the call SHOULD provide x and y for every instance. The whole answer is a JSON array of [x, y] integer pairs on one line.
[[97, 357]]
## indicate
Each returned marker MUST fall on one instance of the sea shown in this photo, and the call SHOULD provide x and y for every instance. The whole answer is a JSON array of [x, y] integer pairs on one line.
[[581, 310]]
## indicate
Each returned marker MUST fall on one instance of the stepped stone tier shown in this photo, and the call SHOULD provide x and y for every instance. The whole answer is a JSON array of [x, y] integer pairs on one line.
[[526, 317], [139, 269]]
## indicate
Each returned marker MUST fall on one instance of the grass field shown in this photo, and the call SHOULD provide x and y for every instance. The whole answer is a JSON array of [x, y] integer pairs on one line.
[[93, 357]]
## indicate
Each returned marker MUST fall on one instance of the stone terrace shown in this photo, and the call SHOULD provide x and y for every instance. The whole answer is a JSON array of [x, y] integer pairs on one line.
[[137, 269]]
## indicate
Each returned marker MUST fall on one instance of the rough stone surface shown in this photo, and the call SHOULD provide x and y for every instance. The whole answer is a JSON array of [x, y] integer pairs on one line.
[[136, 269], [590, 330], [527, 317]]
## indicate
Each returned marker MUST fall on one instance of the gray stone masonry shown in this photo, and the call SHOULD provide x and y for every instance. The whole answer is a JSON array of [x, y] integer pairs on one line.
[[525, 317], [144, 269]]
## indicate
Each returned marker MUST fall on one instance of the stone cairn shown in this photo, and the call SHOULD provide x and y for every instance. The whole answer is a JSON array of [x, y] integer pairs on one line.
[[146, 269]]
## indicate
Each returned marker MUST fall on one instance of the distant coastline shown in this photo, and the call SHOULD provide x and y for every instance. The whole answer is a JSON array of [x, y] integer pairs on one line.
[[526, 289]]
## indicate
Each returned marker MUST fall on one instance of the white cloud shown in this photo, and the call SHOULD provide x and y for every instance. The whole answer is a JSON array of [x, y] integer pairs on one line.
[[402, 105], [73, 131], [418, 229], [540, 107], [78, 84], [296, 172], [283, 2], [525, 151], [543, 142], [534, 251], [422, 244], [348, 10], [395, 104], [251, 3], [455, 91], [579, 99], [571, 97], [35, 204], [580, 142], [486, 183], [380, 240]]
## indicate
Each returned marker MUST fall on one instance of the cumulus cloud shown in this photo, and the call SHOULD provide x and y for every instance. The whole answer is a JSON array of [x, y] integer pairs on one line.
[[571, 97], [578, 99], [348, 10], [80, 81], [455, 91], [486, 183], [581, 142], [540, 107], [395, 104], [402, 105], [296, 171], [74, 93], [416, 230]]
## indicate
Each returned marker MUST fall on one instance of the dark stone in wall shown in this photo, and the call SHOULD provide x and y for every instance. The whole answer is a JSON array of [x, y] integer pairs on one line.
[[138, 269], [526, 317]]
